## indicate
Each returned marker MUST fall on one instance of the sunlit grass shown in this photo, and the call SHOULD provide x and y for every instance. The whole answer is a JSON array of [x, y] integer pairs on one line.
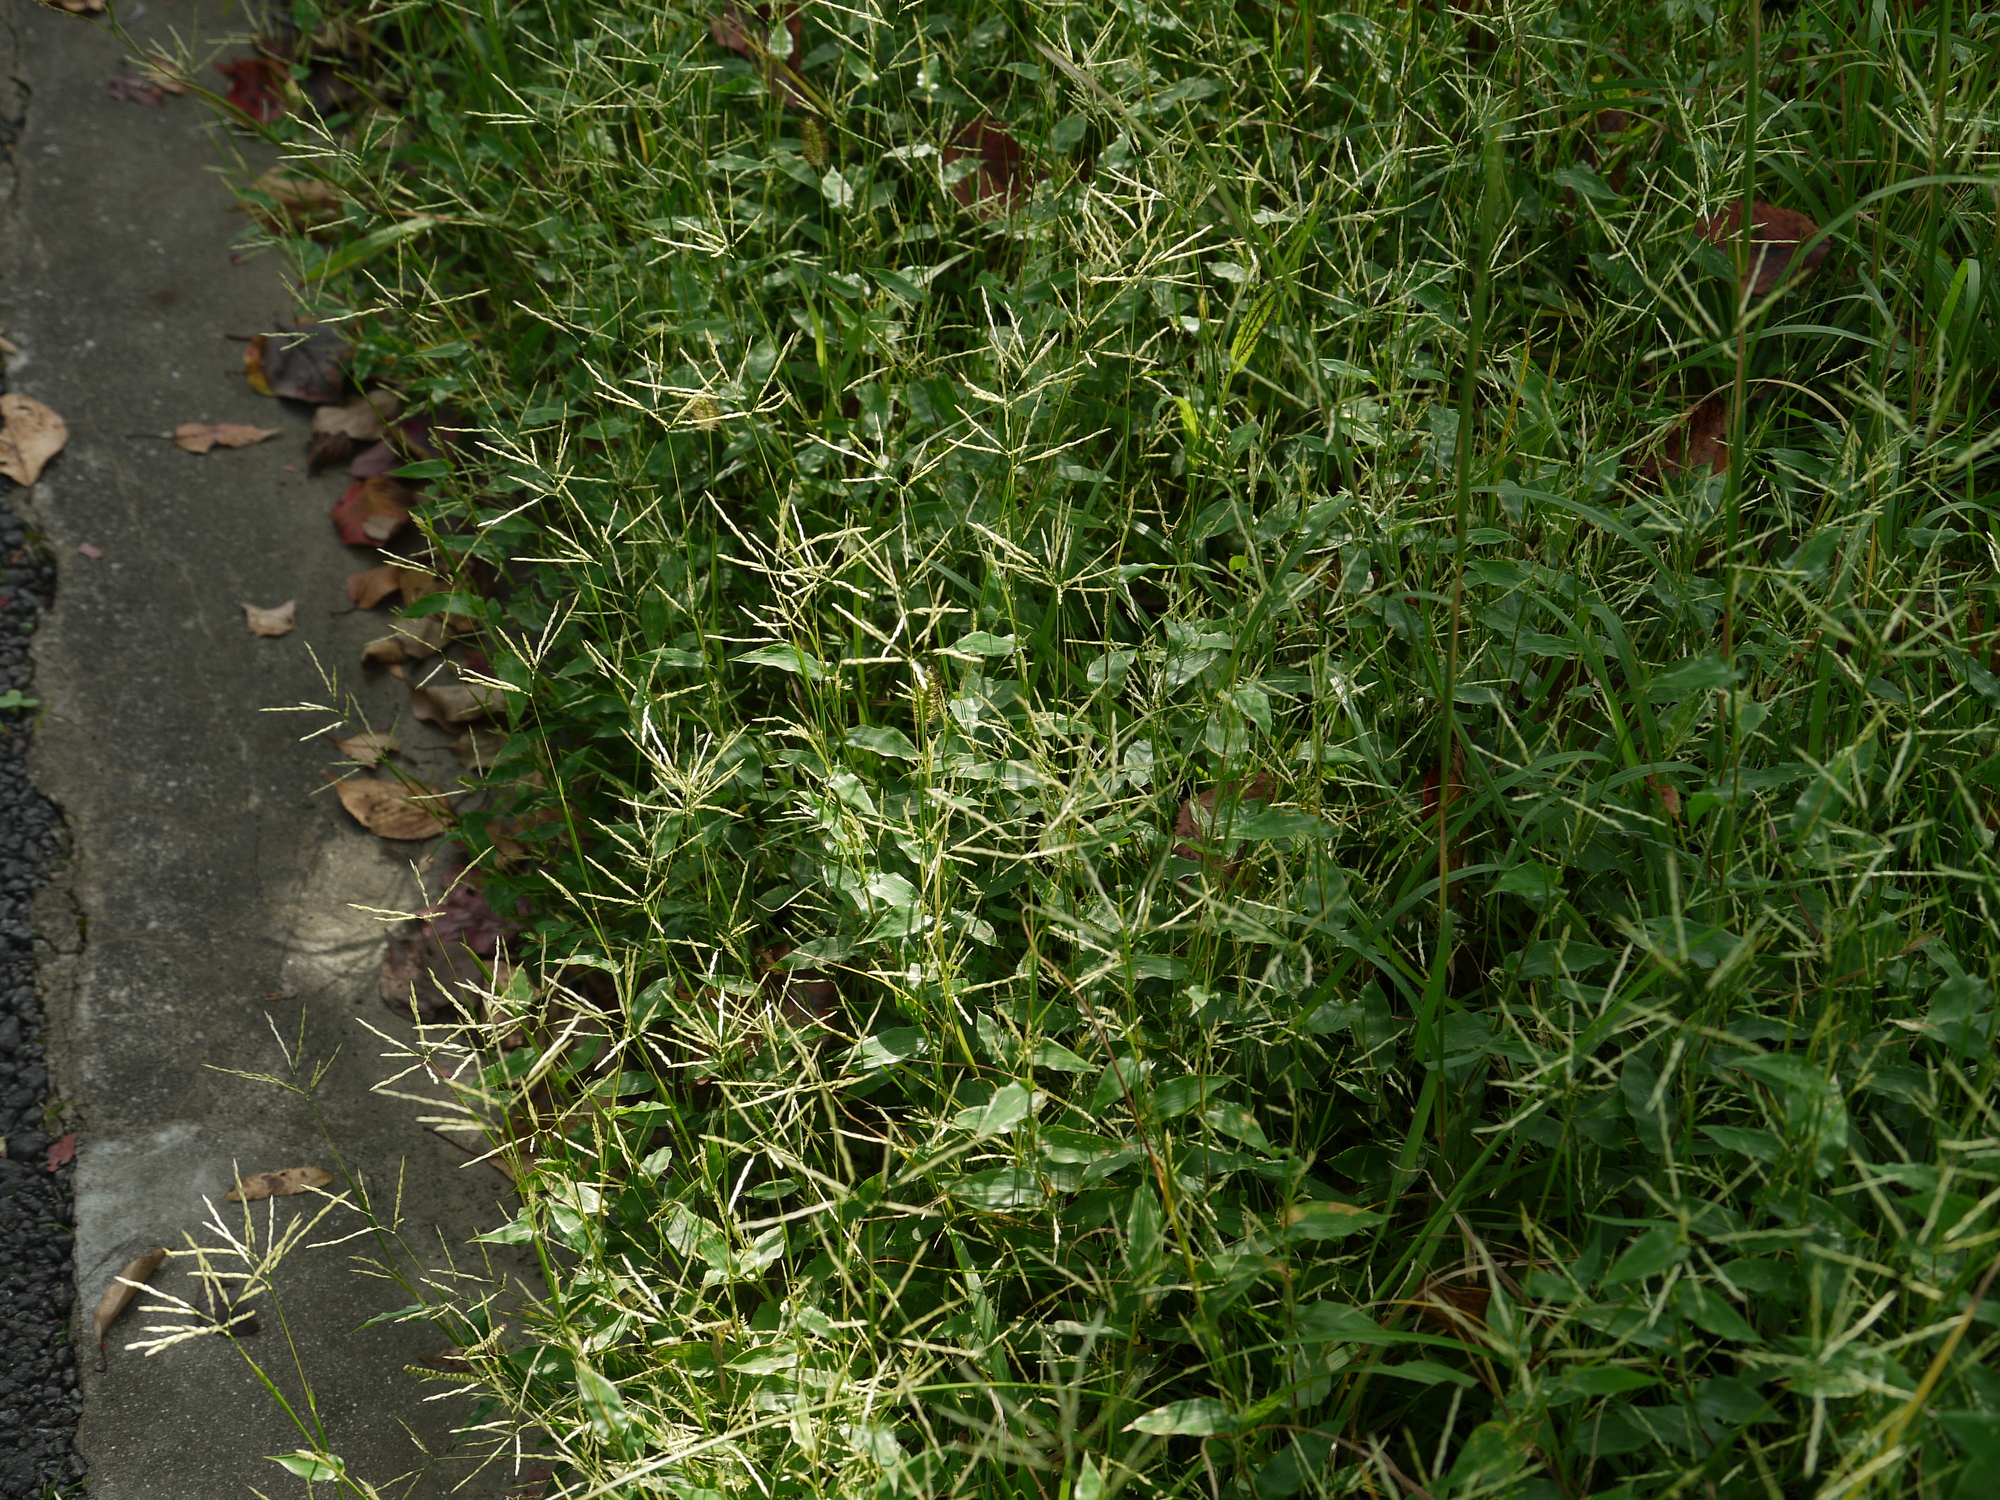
[[879, 577]]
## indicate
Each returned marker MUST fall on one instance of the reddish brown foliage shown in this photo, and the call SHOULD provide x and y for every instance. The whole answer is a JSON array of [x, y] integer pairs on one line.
[[999, 184], [1775, 236]]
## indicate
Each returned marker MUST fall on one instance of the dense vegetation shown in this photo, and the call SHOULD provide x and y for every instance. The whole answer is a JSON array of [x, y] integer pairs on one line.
[[1024, 542]]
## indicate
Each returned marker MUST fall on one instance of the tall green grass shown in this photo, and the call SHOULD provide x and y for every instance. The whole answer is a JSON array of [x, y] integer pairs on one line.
[[1557, 1062]]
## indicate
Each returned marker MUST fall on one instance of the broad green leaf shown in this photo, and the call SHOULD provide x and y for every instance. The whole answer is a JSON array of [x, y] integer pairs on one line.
[[1179, 1095], [982, 643], [1651, 1253], [1204, 1416], [1427, 1372], [603, 1406], [882, 740], [312, 1467], [1000, 1114], [998, 1190], [1328, 1221], [885, 1049], [1059, 1059], [786, 659]]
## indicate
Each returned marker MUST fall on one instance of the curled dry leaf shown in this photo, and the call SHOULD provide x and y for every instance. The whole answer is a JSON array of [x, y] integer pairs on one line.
[[30, 435], [165, 72], [747, 32], [326, 449], [453, 703], [369, 588], [77, 7], [61, 1152], [1697, 444], [281, 1184], [365, 419], [996, 185], [1197, 818], [388, 809], [478, 749], [255, 87], [368, 747], [371, 461], [199, 437], [306, 363], [370, 512], [118, 1296], [297, 203], [281, 619], [1775, 237], [413, 641], [128, 88]]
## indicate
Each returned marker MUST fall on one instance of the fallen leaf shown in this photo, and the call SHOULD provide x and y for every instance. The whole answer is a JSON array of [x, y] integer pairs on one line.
[[368, 747], [478, 749], [505, 834], [118, 1296], [413, 641], [93, 553], [302, 364], [9, 348], [297, 203], [436, 973], [371, 511], [165, 72], [369, 588], [1775, 236], [199, 437], [30, 435], [369, 462], [282, 619], [452, 703], [747, 32], [77, 7], [326, 449], [254, 87], [127, 88], [1697, 444], [364, 419], [420, 583], [387, 808], [283, 1184], [62, 1152], [1196, 819], [995, 186]]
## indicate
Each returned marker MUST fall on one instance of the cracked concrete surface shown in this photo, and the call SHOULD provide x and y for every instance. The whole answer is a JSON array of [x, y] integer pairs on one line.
[[214, 900]]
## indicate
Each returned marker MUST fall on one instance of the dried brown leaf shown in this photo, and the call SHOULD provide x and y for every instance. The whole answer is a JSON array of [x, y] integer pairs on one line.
[[118, 1296], [298, 203], [368, 747], [307, 363], [1697, 444], [370, 512], [1775, 236], [388, 809], [282, 619], [477, 749], [998, 183], [369, 588], [30, 435], [453, 703], [282, 1184], [364, 419], [199, 437]]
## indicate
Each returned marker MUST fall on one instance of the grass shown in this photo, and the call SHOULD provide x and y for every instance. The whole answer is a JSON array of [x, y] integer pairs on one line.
[[1554, 1061]]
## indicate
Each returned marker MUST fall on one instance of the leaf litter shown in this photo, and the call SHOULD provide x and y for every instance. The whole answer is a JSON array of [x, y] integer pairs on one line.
[[370, 512], [201, 437], [30, 435], [280, 619], [304, 363], [1775, 236], [460, 942], [390, 809], [124, 1287], [280, 1184], [368, 747]]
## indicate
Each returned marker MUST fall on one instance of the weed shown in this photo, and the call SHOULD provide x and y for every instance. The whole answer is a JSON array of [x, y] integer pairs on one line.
[[1254, 777]]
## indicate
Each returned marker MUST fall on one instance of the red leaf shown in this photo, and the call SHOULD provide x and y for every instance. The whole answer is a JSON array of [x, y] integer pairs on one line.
[[62, 1152], [1698, 444], [1775, 236], [371, 511], [998, 185], [255, 85]]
